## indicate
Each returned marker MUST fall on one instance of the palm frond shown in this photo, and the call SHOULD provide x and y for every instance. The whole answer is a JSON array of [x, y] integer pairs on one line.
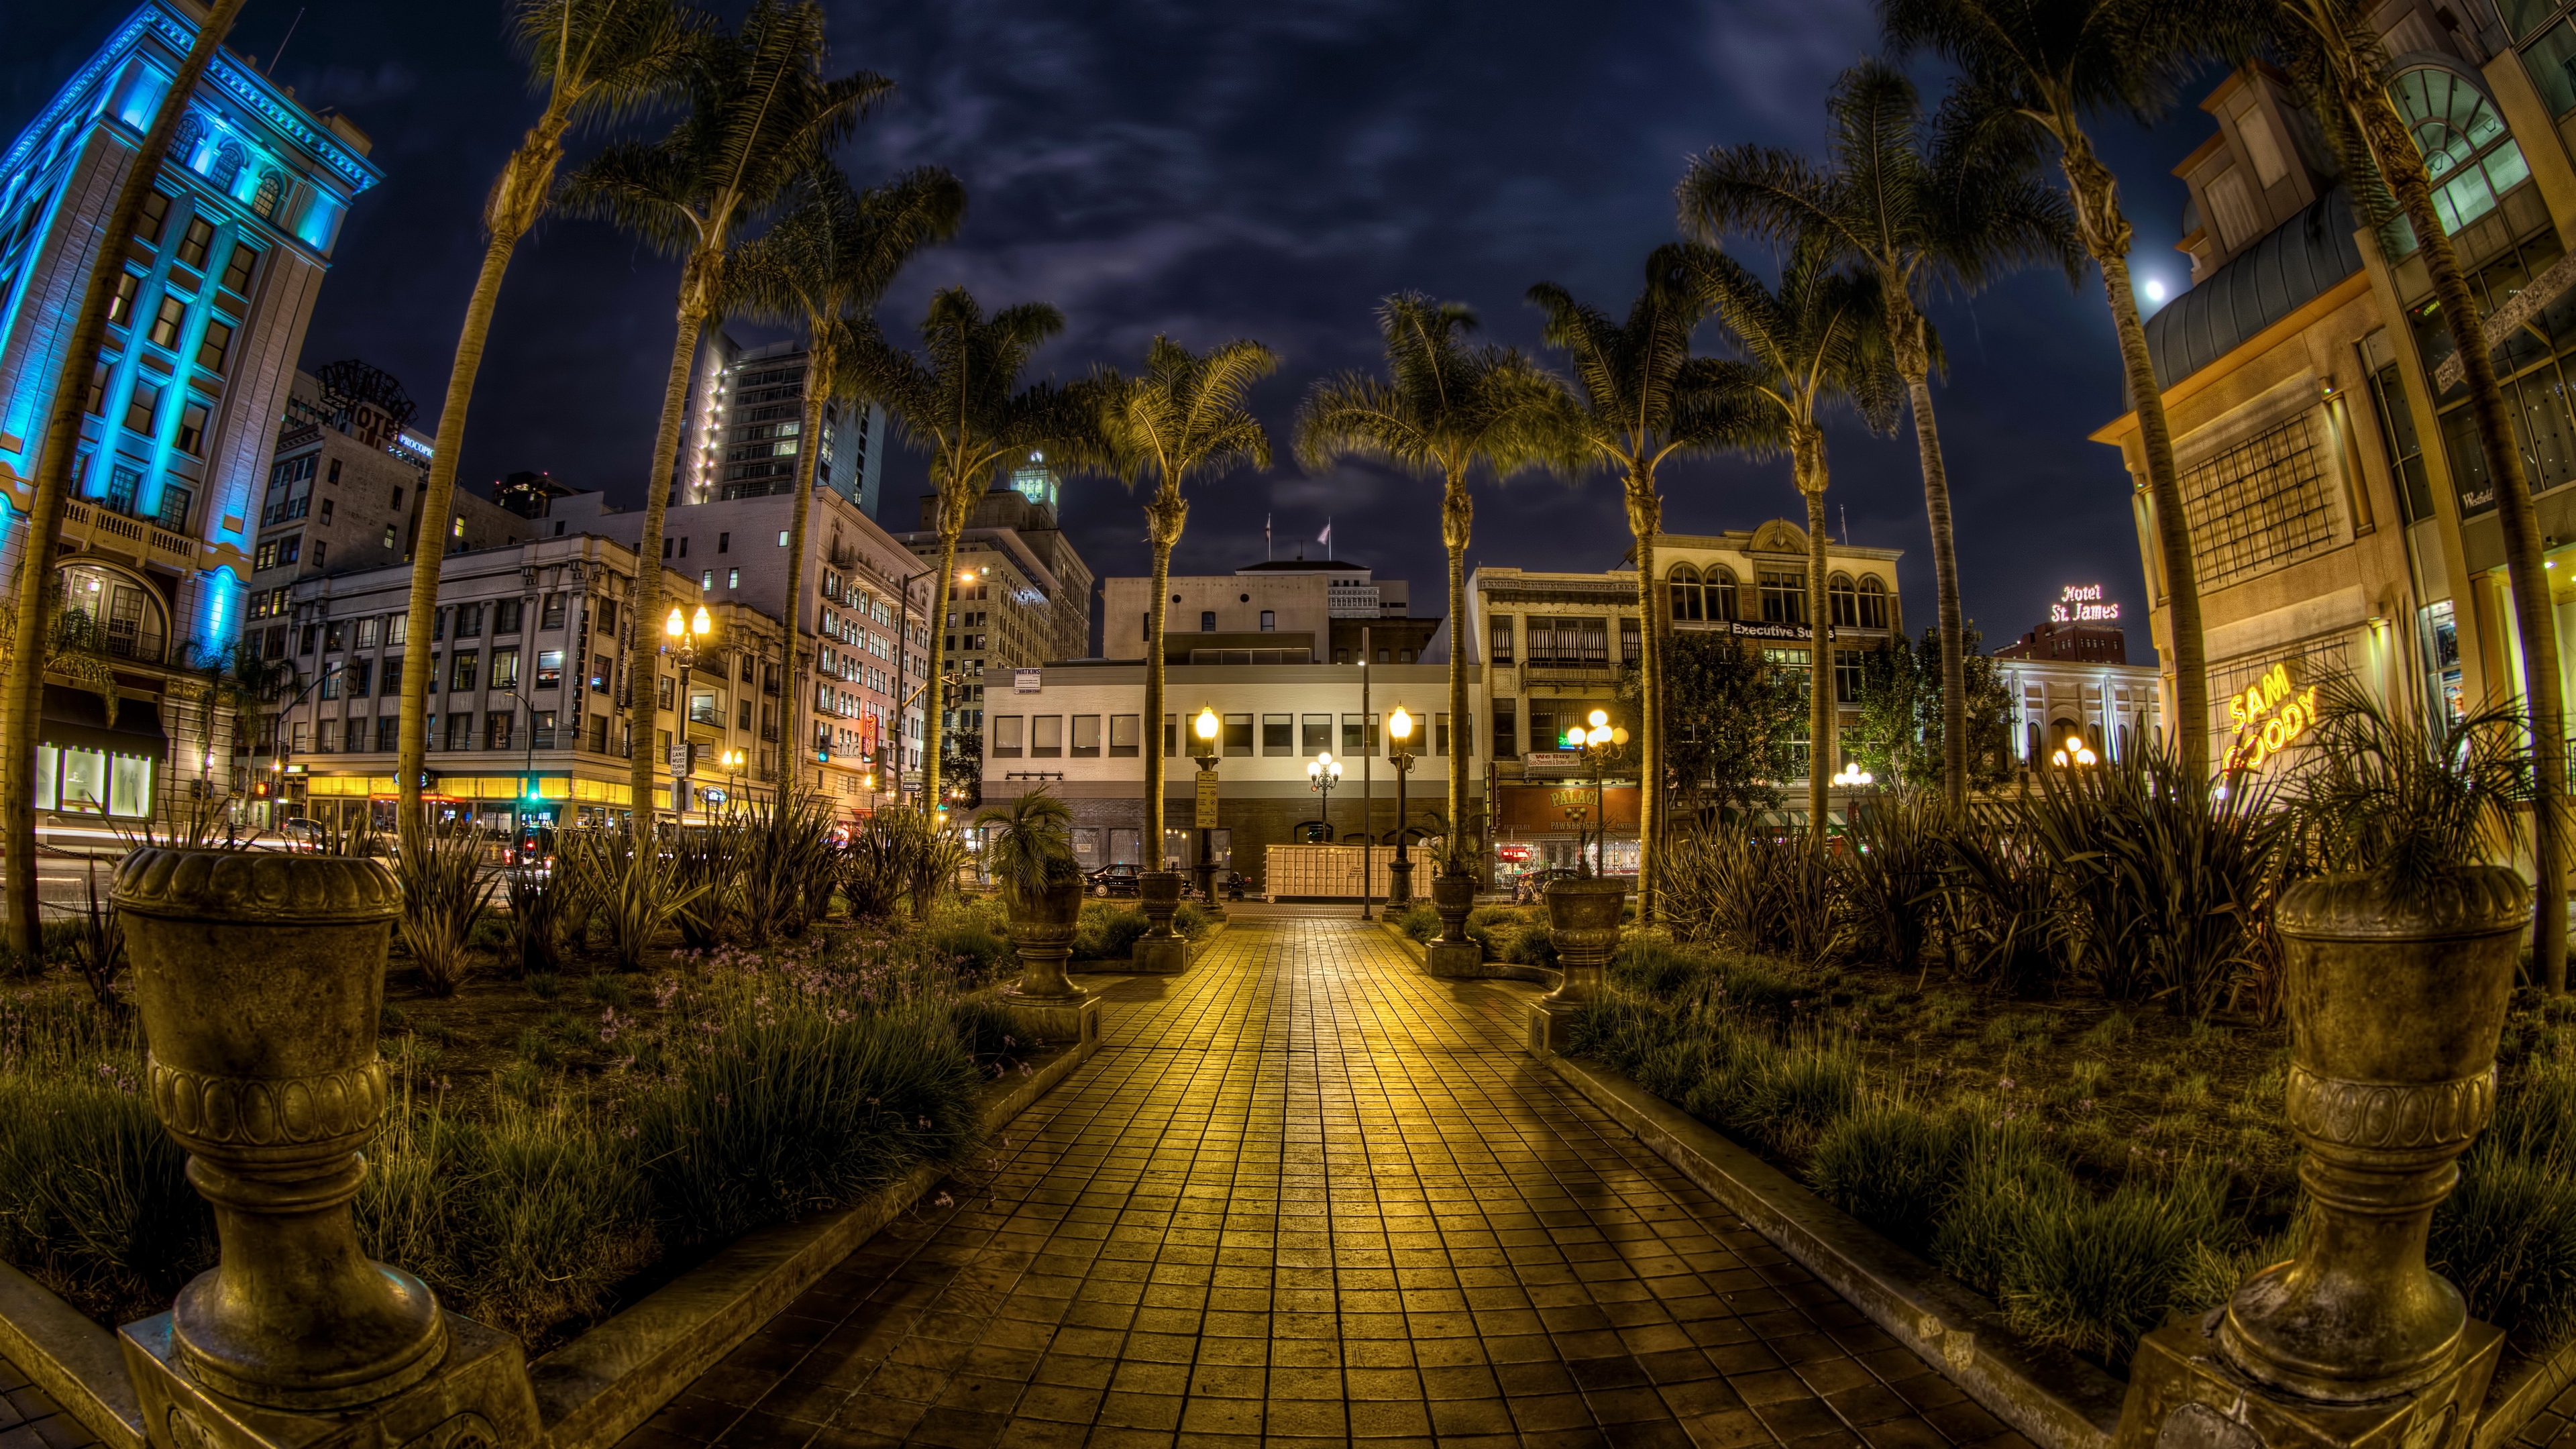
[[607, 61]]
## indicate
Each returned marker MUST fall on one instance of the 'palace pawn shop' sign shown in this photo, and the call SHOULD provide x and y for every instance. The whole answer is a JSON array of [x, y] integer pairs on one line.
[[2082, 604], [2267, 716]]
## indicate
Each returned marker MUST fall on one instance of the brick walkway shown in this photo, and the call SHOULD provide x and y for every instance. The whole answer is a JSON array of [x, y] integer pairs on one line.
[[1305, 1194]]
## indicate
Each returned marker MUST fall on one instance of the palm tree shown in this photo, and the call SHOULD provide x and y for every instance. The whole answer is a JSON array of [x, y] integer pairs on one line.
[[2034, 69], [966, 407], [599, 61], [1443, 408], [761, 113], [1917, 217], [1639, 397], [1815, 342], [2331, 50], [22, 694], [824, 265], [1181, 418]]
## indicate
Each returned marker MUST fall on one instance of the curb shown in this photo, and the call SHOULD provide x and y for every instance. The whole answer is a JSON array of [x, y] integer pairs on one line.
[[1484, 971], [2055, 1399]]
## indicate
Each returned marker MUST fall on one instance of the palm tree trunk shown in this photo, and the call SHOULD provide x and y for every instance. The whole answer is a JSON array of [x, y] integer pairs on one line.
[[518, 198], [1820, 657], [22, 692], [1163, 519], [429, 541], [952, 522], [646, 625], [820, 367], [2107, 236], [2525, 567], [1645, 520], [1913, 362], [1457, 523]]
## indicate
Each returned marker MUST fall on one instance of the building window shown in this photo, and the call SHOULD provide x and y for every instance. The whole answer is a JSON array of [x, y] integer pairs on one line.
[[388, 733], [461, 672], [263, 201], [1237, 735], [733, 578], [1003, 739], [1126, 736], [497, 729], [707, 581], [120, 307], [1575, 641], [215, 346], [2468, 154], [1086, 737], [1278, 734], [1507, 739], [1269, 621], [154, 216], [1631, 643], [140, 405], [1498, 636], [356, 739], [167, 322], [174, 507], [1686, 592], [505, 669], [1873, 602], [1318, 732], [1207, 621], [238, 268], [505, 612], [1847, 676], [360, 674], [192, 428], [1046, 736], [2404, 444], [1784, 598], [460, 731], [2258, 506], [194, 242], [1844, 600]]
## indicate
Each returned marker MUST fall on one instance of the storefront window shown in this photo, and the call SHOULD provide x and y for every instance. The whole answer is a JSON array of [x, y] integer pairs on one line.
[[2439, 628]]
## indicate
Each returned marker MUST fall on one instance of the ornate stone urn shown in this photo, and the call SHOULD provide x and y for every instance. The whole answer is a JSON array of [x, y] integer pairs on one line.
[[1161, 949], [261, 978], [1583, 924], [1453, 896], [1042, 931], [2396, 999]]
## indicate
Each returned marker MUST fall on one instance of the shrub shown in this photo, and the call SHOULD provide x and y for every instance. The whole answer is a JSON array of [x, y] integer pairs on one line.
[[798, 1106], [1890, 1165], [973, 948], [94, 1196], [1192, 920], [1893, 873], [536, 922], [2005, 1180], [1106, 932], [1419, 921], [444, 892], [2095, 1275], [2507, 1234], [1761, 889]]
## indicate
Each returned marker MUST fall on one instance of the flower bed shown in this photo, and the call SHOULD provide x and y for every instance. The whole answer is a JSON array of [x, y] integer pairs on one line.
[[551, 1138], [2089, 1167]]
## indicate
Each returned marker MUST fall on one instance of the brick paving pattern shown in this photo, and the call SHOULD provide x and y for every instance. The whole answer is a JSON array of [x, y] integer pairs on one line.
[[1306, 1195], [30, 1419]]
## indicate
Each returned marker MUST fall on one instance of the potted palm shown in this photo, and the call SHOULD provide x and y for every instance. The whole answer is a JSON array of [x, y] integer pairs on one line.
[[2400, 957], [1029, 854]]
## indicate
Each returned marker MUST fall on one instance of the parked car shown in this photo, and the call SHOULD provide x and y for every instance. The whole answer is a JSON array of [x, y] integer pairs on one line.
[[1115, 880], [298, 833]]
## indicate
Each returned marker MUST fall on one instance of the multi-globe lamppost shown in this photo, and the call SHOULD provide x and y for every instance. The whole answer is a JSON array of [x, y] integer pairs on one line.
[[1322, 773], [685, 633]]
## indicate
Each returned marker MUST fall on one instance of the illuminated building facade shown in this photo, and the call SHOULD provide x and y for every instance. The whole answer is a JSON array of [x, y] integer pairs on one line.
[[746, 409], [181, 408], [2341, 518], [1022, 597]]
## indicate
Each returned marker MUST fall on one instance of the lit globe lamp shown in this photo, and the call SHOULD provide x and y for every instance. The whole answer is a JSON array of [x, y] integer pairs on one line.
[[2076, 752], [1399, 730], [1206, 728]]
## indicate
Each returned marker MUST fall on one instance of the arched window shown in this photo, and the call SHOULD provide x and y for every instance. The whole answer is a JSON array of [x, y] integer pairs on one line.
[[128, 614], [1873, 602], [1686, 594], [228, 164], [264, 200], [1846, 603], [1721, 595], [183, 146], [2470, 156]]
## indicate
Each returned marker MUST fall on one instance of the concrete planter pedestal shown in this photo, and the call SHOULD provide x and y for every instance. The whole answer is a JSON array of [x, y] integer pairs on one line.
[[1583, 925], [1160, 951], [1452, 954]]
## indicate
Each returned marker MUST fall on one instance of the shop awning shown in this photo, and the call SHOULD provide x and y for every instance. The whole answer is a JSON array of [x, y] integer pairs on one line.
[[74, 719]]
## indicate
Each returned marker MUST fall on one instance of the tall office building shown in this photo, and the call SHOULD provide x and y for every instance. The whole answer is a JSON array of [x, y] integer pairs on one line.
[[746, 410], [217, 285], [1023, 596]]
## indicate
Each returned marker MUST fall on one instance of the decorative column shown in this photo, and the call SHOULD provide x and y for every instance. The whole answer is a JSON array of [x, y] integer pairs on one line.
[[2397, 991], [1161, 951], [1583, 925], [261, 978]]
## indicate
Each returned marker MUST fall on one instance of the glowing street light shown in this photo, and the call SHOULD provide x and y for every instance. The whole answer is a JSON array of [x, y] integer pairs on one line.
[[1852, 776], [2076, 753]]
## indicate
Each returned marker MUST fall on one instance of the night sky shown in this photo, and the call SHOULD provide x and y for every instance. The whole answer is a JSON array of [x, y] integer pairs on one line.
[[1214, 171]]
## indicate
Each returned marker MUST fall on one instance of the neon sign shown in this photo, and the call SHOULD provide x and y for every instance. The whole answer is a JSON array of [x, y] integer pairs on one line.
[[2267, 716], [2082, 604]]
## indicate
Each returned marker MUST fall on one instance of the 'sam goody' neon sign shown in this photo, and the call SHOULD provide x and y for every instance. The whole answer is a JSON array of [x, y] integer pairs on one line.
[[2267, 716]]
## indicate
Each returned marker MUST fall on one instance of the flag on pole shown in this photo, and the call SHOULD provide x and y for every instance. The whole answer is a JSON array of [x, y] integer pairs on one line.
[[1326, 537]]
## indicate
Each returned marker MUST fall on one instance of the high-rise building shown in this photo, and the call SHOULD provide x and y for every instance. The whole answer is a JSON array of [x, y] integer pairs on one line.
[[181, 406], [344, 494], [1022, 596], [746, 409]]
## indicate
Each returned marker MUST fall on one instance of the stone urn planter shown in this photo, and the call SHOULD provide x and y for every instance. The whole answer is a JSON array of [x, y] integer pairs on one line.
[[261, 980], [2395, 1004], [1453, 896], [1160, 950], [1583, 924], [1042, 932]]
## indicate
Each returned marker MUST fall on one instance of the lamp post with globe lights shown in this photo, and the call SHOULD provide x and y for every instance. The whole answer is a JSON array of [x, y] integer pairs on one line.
[[1598, 740], [684, 633], [2075, 752], [1205, 728], [1322, 773], [1399, 729]]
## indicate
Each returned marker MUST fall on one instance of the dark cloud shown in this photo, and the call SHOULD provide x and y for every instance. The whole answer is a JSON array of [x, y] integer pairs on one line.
[[1215, 171]]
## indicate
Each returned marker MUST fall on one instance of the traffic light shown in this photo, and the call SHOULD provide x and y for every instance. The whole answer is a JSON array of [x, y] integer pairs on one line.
[[259, 789]]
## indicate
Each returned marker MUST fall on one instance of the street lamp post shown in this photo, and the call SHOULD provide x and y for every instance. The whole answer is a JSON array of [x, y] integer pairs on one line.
[[1598, 742], [1206, 727], [684, 633], [1399, 729], [1322, 773]]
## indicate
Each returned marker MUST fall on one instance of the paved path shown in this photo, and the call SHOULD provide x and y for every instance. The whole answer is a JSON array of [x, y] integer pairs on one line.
[[1305, 1194]]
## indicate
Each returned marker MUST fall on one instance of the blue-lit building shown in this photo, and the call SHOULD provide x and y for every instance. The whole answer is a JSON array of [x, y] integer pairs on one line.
[[182, 406]]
